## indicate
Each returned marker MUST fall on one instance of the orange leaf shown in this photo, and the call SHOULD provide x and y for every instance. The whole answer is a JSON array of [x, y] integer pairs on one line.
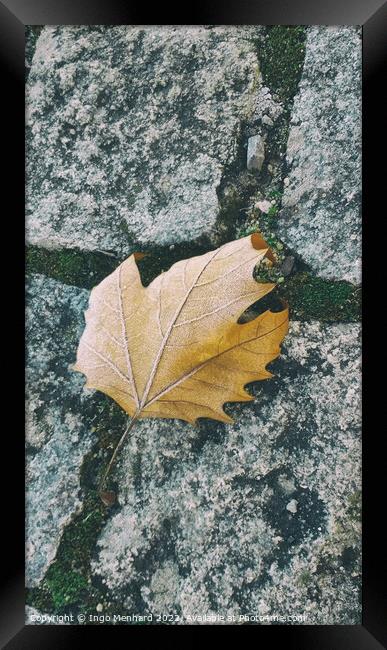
[[175, 349]]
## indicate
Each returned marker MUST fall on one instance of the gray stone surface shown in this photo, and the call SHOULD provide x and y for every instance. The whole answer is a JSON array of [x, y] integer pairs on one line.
[[321, 217], [130, 130], [255, 153], [255, 518], [58, 434]]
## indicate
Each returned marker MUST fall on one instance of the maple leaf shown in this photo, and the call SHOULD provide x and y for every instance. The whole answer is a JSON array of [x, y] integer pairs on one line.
[[175, 349]]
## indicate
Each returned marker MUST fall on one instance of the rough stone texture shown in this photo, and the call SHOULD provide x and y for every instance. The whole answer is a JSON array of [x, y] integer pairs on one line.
[[255, 152], [267, 109], [57, 433], [255, 518], [130, 130], [320, 219]]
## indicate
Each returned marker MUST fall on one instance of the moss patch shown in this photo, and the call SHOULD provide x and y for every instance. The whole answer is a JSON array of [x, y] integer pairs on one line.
[[282, 58], [66, 588], [86, 269], [70, 266], [281, 53], [312, 298]]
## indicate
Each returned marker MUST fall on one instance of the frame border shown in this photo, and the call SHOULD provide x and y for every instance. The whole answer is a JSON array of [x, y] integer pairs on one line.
[[14, 15]]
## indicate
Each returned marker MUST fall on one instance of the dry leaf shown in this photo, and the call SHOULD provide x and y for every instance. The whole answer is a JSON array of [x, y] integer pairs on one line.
[[175, 349], [108, 497]]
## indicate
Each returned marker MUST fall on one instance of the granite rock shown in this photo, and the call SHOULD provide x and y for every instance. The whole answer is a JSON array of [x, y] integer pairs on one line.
[[58, 430], [260, 517], [320, 219], [255, 153], [131, 129]]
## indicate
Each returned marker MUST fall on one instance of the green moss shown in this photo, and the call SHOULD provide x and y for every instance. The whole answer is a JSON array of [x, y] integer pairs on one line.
[[282, 59], [70, 266], [66, 587], [67, 581], [310, 297], [87, 269], [273, 211], [282, 53], [248, 230], [313, 298], [80, 536]]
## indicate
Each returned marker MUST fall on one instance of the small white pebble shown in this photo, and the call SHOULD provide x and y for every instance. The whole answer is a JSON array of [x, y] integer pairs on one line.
[[292, 506], [267, 120], [99, 607]]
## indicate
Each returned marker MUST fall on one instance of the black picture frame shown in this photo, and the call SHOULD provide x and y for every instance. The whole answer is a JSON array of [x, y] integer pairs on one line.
[[14, 15]]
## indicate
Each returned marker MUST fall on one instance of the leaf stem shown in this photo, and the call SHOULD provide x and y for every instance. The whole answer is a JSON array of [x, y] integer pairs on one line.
[[118, 447]]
